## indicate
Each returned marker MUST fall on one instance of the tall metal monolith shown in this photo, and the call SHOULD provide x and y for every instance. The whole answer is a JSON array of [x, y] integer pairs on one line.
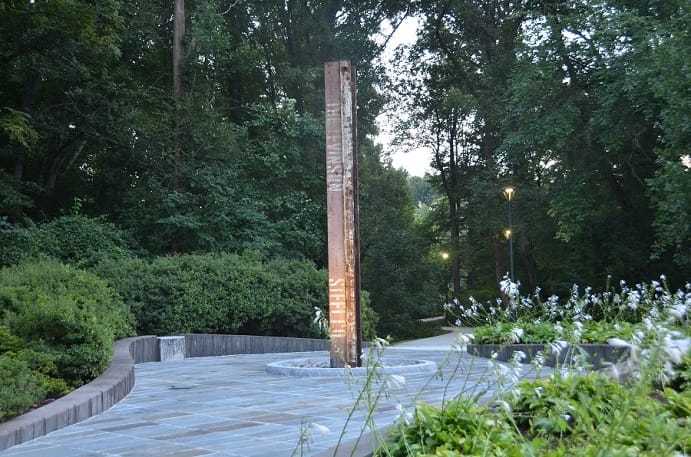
[[342, 210]]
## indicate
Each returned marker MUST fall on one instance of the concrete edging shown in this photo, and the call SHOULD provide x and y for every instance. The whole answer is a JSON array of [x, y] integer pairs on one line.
[[118, 380], [89, 400], [289, 368]]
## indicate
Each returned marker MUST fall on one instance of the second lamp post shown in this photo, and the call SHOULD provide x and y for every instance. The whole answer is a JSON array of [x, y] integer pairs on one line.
[[508, 233]]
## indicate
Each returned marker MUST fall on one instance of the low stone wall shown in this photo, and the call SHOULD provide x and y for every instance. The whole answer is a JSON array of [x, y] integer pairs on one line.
[[91, 399], [204, 345], [118, 380], [599, 355]]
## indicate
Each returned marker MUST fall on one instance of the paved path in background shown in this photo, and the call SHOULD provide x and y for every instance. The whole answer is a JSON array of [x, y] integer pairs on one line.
[[230, 407]]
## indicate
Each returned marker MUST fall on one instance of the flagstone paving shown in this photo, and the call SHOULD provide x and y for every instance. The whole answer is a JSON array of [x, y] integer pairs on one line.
[[230, 407]]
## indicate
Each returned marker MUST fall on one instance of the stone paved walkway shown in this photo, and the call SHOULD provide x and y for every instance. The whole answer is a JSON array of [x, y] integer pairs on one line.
[[230, 407]]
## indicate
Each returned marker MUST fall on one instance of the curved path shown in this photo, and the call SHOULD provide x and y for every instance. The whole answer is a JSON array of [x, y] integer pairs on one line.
[[230, 407]]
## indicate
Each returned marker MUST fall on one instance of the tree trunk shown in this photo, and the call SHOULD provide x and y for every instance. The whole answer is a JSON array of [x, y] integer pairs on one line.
[[28, 97], [179, 35]]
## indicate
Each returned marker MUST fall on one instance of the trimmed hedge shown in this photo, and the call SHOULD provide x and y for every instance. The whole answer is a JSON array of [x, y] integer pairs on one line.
[[223, 293], [57, 327]]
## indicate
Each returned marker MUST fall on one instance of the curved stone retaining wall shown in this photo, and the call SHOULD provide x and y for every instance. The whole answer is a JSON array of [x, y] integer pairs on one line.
[[91, 399], [118, 380]]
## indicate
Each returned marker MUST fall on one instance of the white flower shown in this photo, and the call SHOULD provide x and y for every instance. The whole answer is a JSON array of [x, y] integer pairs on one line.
[[516, 334], [404, 415], [518, 356], [678, 311], [380, 343], [462, 341], [510, 288], [504, 406], [538, 360], [634, 300], [395, 381], [320, 429], [676, 349], [557, 346], [618, 342]]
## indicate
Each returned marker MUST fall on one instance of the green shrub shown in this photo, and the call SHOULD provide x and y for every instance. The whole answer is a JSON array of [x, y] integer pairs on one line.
[[564, 416], [546, 332], [8, 341], [225, 293], [77, 240], [20, 388], [71, 315], [461, 428]]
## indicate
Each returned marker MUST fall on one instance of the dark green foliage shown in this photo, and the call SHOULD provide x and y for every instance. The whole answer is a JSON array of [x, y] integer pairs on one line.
[[461, 428], [548, 407], [71, 315], [403, 283], [77, 240], [583, 416], [225, 293], [19, 387], [406, 327]]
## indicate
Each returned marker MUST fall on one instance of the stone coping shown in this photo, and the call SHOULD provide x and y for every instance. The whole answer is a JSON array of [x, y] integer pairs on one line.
[[89, 400], [292, 368], [118, 379]]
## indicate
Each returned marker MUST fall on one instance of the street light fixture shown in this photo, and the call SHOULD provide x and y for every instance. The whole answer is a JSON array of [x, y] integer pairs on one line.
[[444, 255], [508, 233]]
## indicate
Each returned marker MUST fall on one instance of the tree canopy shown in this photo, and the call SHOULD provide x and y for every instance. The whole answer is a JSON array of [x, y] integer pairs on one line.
[[196, 126]]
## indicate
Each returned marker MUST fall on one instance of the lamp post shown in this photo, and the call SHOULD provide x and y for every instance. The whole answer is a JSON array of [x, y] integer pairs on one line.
[[508, 233]]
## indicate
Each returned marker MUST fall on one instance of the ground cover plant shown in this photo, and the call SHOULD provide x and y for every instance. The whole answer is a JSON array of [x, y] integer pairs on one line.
[[57, 328]]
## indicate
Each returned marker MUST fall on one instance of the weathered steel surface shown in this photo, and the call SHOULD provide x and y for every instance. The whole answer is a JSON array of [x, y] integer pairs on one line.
[[342, 206]]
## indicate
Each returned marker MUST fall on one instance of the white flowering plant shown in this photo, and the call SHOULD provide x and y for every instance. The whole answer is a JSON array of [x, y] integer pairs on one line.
[[585, 316]]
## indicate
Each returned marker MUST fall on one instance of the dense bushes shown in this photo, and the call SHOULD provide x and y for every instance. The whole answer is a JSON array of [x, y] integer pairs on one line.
[[562, 416], [57, 327], [223, 293], [77, 240]]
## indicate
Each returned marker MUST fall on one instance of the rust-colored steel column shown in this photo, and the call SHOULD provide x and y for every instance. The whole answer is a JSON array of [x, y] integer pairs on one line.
[[342, 206]]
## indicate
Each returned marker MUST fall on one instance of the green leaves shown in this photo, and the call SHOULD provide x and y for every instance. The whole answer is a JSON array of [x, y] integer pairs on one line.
[[246, 294], [575, 415]]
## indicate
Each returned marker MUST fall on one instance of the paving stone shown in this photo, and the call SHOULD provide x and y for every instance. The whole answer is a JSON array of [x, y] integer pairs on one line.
[[230, 407]]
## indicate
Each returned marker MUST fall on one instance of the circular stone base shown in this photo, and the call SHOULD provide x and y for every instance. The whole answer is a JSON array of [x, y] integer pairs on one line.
[[320, 367]]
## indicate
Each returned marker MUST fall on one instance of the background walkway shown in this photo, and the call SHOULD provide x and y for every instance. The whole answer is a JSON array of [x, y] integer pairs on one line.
[[230, 407]]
